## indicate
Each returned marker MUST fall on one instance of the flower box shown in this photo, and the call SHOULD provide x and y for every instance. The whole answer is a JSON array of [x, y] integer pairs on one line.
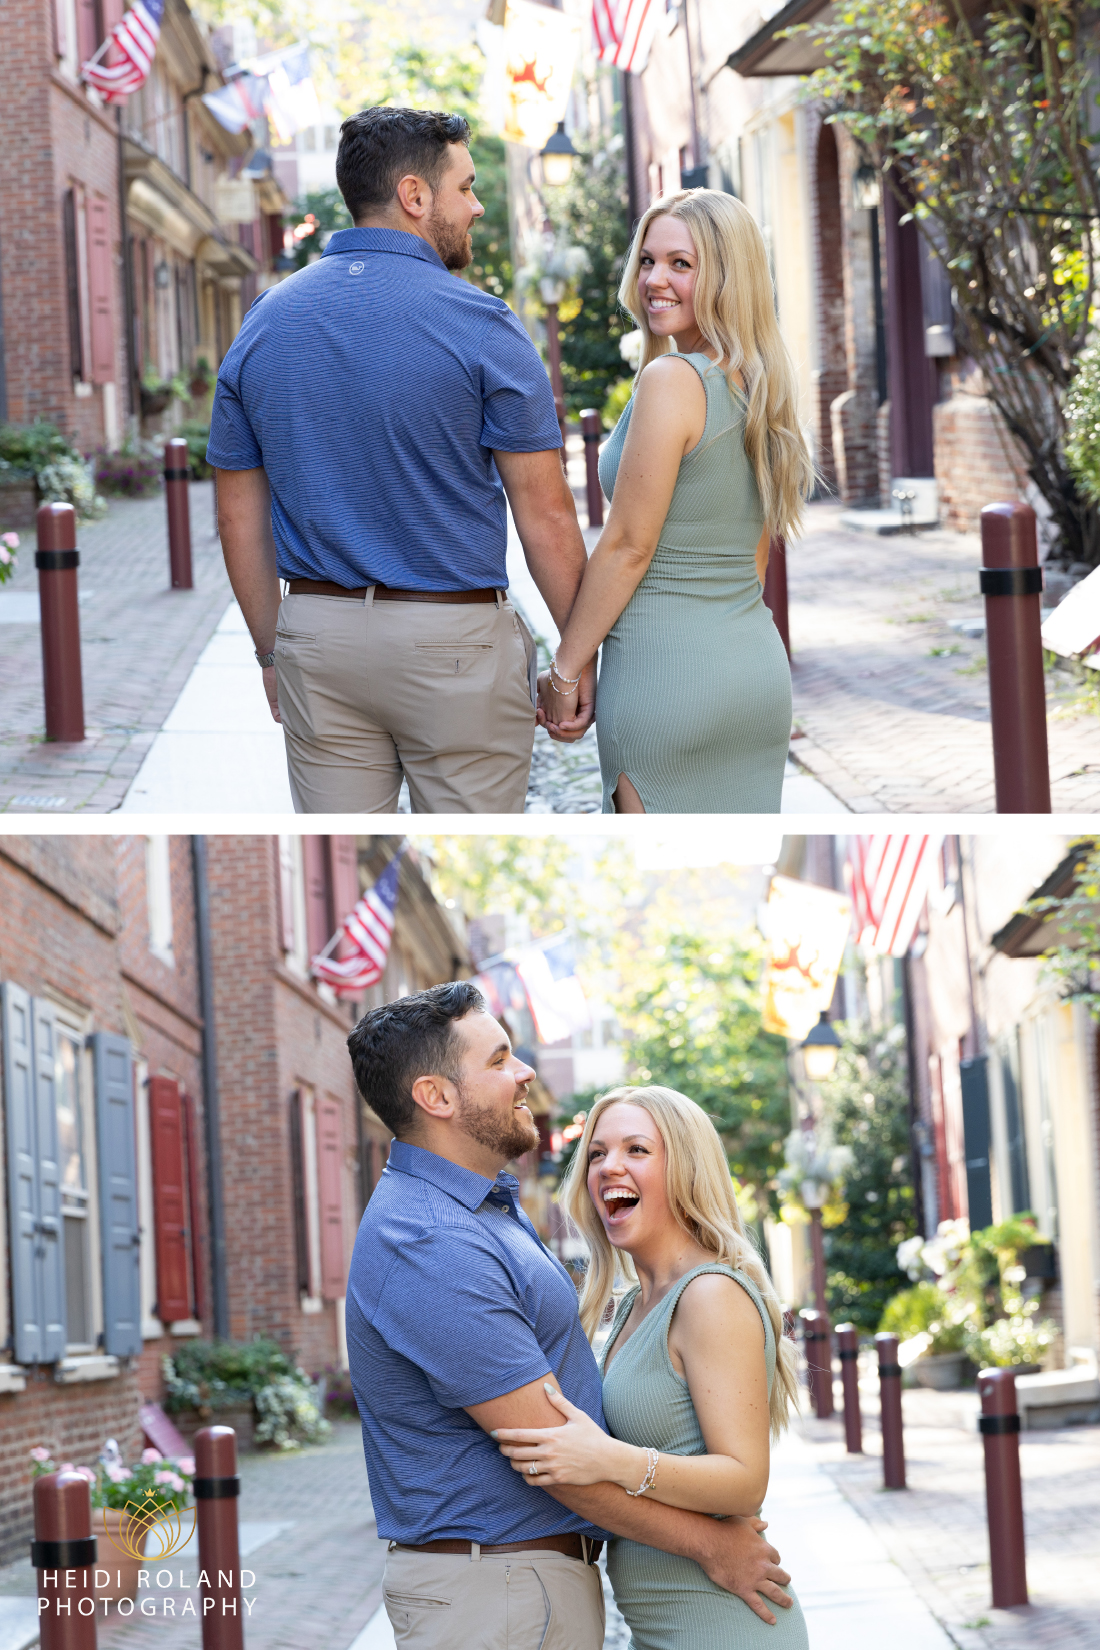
[[241, 1417]]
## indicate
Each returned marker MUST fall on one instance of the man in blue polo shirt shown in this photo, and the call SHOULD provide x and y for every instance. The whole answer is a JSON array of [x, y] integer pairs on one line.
[[366, 416], [456, 1317]]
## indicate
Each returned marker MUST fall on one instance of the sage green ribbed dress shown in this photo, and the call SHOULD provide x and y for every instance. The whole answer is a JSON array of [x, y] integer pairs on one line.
[[670, 1603], [694, 697]]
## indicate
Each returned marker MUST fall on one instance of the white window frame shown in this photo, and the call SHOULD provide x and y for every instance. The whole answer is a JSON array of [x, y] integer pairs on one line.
[[311, 1191], [76, 1026], [158, 897], [151, 1326]]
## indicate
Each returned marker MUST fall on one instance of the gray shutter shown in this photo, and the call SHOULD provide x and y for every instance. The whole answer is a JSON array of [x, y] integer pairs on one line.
[[37, 1252], [118, 1207]]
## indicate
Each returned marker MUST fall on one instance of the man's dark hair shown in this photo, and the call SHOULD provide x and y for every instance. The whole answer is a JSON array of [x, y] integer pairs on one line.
[[379, 147], [414, 1037]]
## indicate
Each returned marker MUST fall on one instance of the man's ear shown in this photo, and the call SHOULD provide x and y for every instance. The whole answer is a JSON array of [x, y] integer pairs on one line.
[[435, 1096], [413, 196]]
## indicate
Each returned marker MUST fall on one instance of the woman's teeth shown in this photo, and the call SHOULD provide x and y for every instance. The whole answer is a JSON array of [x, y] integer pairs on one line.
[[619, 1201]]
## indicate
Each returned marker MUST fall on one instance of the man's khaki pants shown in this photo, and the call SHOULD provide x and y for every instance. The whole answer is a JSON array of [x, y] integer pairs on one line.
[[439, 692], [493, 1601]]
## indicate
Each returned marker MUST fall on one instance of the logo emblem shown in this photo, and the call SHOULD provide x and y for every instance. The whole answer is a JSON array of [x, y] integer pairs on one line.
[[144, 1519], [356, 269]]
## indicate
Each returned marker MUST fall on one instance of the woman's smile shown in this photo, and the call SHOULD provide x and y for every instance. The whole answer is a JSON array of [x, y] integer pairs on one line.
[[619, 1203]]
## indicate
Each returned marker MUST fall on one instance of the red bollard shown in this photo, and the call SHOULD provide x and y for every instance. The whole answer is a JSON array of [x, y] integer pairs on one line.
[[847, 1340], [819, 1360], [889, 1385], [999, 1425], [1011, 580], [64, 1553], [177, 473], [775, 590], [57, 559], [591, 428], [216, 1490]]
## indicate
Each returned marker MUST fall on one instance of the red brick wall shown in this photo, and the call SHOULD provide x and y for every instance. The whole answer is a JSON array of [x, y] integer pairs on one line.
[[975, 463], [825, 221], [50, 137]]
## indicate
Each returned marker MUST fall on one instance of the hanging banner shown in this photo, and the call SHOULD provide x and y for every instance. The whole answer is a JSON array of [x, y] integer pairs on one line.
[[807, 928], [540, 50]]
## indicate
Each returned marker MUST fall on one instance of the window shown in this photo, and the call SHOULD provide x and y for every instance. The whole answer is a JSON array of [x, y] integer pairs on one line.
[[318, 885], [309, 140], [331, 140], [158, 897], [75, 1139], [317, 1155]]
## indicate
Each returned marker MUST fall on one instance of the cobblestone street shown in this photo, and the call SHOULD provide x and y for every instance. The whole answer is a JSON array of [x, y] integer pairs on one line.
[[891, 701]]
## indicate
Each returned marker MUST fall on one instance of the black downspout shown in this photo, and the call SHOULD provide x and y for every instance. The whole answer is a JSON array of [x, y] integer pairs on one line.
[[629, 134], [211, 1103], [882, 384], [132, 395], [916, 1163]]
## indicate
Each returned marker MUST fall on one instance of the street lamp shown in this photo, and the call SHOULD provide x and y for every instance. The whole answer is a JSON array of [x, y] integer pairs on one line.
[[866, 192], [820, 1050], [557, 159], [813, 1196]]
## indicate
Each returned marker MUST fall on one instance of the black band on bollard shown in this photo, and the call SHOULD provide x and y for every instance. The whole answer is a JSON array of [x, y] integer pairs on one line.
[[815, 1335], [56, 561], [177, 475], [63, 1555], [998, 1424], [216, 1489], [848, 1355], [889, 1369], [591, 435], [1011, 581]]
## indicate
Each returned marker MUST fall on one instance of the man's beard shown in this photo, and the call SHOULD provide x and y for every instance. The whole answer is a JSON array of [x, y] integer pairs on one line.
[[454, 246], [509, 1136]]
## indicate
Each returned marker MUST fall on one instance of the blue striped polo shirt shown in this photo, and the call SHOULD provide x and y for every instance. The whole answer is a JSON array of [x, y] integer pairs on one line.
[[373, 386], [453, 1300]]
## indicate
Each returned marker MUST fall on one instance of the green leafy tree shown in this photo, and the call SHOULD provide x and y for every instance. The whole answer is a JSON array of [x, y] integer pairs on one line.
[[691, 1010], [985, 129], [592, 212], [867, 1103], [319, 211], [1073, 963]]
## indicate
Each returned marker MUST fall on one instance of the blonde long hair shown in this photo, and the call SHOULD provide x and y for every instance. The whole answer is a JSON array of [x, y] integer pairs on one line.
[[701, 1197], [735, 308]]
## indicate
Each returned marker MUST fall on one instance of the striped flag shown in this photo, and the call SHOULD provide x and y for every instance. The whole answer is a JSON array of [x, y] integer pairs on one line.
[[135, 40], [623, 31], [889, 878], [366, 933]]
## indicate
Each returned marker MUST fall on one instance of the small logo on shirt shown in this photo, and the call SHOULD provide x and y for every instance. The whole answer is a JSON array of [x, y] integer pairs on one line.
[[356, 269]]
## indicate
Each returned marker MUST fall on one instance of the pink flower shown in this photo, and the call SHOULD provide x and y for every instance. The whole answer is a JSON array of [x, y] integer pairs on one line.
[[10, 539], [186, 1465], [172, 1479], [5, 556], [40, 1454], [148, 1456], [66, 1466], [117, 1473], [86, 1472]]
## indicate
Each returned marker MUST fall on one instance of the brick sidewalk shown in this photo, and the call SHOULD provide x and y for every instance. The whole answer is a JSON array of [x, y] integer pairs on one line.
[[892, 704], [139, 642], [936, 1529]]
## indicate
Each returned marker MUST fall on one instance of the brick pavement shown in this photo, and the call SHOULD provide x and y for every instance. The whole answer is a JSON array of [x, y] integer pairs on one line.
[[936, 1529], [139, 642], [892, 705]]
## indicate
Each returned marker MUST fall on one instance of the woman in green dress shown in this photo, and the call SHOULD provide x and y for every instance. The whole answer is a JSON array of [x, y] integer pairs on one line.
[[697, 1374], [705, 467]]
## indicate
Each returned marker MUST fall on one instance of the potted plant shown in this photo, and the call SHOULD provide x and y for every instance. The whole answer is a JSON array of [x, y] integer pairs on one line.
[[156, 393], [201, 378], [134, 1509], [252, 1386], [9, 544]]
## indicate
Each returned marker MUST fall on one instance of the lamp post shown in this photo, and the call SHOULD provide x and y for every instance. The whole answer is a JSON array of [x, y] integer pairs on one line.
[[557, 157], [820, 1050], [813, 1196], [819, 1056]]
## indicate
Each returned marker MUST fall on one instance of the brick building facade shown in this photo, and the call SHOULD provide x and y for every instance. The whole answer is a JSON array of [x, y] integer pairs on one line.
[[164, 1176]]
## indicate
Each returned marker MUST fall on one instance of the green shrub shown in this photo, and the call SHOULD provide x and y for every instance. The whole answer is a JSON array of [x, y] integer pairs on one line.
[[62, 474], [197, 435], [1082, 412], [215, 1375], [615, 405], [925, 1310], [134, 471]]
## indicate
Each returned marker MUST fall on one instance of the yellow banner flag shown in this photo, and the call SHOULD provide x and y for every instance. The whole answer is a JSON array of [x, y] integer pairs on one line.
[[540, 52], [807, 928]]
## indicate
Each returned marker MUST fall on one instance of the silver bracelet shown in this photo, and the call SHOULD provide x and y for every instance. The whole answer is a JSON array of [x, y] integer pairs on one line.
[[566, 681], [650, 1478]]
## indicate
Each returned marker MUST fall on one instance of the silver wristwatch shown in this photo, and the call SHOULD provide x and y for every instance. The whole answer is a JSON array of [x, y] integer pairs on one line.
[[265, 659]]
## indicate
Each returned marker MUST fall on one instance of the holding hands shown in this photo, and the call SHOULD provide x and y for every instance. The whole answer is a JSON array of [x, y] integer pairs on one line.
[[566, 708]]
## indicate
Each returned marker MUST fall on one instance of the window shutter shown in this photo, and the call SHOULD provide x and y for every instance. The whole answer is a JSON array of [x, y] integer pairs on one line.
[[87, 29], [301, 1241], [100, 289], [37, 1254], [319, 923], [343, 862], [169, 1199], [194, 1170], [72, 277], [330, 1178], [118, 1216]]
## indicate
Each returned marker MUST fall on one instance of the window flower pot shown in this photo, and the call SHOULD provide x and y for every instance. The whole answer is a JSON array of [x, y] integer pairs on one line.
[[154, 401], [942, 1371], [110, 1526]]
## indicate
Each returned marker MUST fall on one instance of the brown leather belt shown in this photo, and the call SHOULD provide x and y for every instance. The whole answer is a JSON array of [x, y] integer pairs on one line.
[[382, 592], [570, 1545]]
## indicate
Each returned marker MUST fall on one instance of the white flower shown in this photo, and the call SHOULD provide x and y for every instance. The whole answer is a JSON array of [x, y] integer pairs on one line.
[[909, 1257], [630, 348]]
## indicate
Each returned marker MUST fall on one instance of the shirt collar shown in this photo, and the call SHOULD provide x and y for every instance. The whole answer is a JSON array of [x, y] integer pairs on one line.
[[463, 1185], [382, 240]]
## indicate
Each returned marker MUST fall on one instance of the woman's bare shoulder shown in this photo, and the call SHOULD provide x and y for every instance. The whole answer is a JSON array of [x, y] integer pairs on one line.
[[672, 373], [714, 1297]]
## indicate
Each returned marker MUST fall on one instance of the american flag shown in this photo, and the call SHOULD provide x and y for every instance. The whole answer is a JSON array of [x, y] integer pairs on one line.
[[624, 30], [367, 932], [888, 878], [135, 40]]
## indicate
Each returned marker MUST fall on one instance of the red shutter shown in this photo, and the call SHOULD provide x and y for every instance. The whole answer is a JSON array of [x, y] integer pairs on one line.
[[330, 1187], [319, 923], [101, 269], [87, 32], [198, 1257], [169, 1199], [343, 861]]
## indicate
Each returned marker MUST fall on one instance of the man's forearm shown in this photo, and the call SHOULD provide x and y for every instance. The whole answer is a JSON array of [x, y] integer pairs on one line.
[[556, 557], [244, 525], [670, 1528]]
